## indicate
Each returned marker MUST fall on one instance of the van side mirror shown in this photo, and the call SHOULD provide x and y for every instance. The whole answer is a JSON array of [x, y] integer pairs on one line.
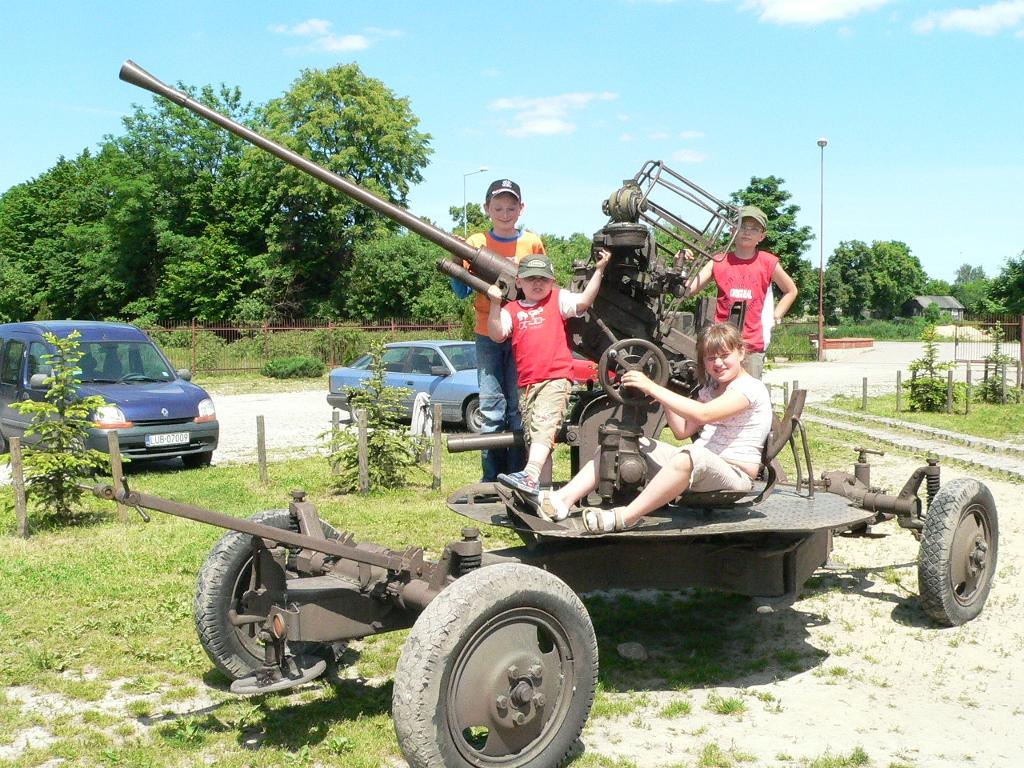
[[37, 381], [438, 370], [184, 373]]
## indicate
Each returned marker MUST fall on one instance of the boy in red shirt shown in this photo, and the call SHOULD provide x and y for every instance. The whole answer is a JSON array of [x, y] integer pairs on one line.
[[536, 325], [746, 274]]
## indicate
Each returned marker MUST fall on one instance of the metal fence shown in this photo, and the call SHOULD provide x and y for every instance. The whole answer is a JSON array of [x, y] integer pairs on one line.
[[221, 348], [978, 336]]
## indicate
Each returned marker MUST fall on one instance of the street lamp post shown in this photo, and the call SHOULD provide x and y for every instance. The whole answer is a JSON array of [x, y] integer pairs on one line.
[[465, 205], [822, 143]]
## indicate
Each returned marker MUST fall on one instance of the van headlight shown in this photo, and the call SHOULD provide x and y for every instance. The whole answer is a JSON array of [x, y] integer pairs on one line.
[[111, 417], [206, 411]]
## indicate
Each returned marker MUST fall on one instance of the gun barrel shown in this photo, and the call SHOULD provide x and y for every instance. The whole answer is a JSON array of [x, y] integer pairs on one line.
[[487, 265]]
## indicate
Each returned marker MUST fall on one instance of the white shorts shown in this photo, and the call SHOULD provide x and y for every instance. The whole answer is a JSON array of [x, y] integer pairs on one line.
[[710, 471]]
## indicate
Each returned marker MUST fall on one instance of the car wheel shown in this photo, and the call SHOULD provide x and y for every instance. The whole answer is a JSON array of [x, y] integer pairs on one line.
[[197, 460], [471, 415]]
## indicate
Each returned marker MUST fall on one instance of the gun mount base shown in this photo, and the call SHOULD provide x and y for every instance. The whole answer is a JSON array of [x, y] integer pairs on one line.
[[297, 670]]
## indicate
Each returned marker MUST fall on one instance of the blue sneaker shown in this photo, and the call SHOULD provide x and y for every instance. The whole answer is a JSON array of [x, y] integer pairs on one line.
[[521, 482]]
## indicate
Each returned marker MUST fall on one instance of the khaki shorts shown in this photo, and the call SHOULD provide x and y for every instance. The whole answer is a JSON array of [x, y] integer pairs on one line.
[[544, 405], [710, 471]]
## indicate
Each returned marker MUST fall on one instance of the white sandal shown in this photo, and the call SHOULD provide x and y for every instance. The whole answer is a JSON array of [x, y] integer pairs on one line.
[[597, 520], [548, 508]]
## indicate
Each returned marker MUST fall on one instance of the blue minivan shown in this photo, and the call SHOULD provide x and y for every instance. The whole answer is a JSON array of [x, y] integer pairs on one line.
[[158, 412]]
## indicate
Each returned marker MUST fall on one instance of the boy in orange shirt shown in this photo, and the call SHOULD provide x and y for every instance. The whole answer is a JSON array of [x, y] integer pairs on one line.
[[496, 367]]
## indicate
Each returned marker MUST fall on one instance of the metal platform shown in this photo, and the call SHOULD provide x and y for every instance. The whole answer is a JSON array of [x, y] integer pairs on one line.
[[782, 511]]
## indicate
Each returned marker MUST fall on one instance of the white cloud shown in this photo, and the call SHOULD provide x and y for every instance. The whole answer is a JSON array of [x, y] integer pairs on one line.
[[809, 11], [983, 20], [658, 135], [323, 39], [691, 134], [689, 156], [626, 138], [546, 115]]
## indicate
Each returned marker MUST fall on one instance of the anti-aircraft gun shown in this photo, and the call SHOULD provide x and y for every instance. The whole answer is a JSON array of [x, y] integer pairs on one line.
[[500, 667]]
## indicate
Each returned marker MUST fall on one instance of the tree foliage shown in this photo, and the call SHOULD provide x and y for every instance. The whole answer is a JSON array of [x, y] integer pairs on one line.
[[784, 238], [176, 218], [1007, 288], [878, 279]]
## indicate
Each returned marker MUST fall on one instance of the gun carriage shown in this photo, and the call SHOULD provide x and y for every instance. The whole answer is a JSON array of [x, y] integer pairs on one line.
[[500, 666]]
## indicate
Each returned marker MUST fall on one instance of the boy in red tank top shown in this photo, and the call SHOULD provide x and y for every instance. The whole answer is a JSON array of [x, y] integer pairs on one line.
[[536, 325], [746, 274]]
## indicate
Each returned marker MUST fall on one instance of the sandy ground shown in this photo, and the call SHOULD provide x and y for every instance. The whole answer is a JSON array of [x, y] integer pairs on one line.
[[891, 682]]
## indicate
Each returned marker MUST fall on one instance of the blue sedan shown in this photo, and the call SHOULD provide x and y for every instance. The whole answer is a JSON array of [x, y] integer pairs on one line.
[[445, 370]]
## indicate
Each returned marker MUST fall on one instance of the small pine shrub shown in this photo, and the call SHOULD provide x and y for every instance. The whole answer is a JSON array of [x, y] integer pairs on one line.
[[59, 458], [391, 450], [928, 383], [996, 371], [300, 367]]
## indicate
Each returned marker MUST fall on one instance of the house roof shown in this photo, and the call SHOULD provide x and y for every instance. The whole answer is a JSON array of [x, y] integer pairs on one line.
[[944, 302]]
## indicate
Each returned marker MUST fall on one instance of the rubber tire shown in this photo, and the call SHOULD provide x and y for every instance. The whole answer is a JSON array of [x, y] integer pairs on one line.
[[471, 415], [197, 460], [227, 566], [951, 504], [454, 620]]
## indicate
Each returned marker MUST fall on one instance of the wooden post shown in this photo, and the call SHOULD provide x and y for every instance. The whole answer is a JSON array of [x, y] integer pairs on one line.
[[261, 449], [1002, 383], [785, 394], [18, 479], [116, 472], [949, 391], [864, 394], [796, 385], [193, 346], [1016, 378], [967, 399], [435, 454], [899, 391], [364, 450]]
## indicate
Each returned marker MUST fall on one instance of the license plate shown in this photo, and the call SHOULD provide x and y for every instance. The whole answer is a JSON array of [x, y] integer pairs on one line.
[[167, 438]]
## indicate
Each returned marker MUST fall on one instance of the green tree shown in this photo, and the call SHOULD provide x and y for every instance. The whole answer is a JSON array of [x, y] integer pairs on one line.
[[352, 125], [784, 238], [478, 220], [966, 273], [1007, 289], [934, 287], [896, 276], [566, 251], [848, 284], [396, 276], [59, 458], [927, 385]]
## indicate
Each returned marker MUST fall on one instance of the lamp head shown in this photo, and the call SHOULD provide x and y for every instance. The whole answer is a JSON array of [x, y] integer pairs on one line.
[[822, 142]]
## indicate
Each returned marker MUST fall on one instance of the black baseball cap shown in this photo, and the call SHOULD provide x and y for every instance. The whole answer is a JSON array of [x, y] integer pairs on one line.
[[501, 187]]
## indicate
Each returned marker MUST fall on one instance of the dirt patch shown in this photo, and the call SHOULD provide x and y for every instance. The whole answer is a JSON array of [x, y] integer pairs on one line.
[[889, 682]]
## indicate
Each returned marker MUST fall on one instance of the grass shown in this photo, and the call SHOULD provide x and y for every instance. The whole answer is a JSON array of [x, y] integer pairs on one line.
[[253, 383], [999, 422]]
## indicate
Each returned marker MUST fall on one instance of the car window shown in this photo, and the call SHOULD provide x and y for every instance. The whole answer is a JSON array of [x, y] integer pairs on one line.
[[10, 367], [423, 359], [394, 359], [108, 361], [36, 362], [362, 363], [462, 356]]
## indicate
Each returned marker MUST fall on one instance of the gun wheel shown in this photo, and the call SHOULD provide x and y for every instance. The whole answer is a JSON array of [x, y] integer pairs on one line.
[[499, 670], [631, 355], [958, 552], [223, 579]]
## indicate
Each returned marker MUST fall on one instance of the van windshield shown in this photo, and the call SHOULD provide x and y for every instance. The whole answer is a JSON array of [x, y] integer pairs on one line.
[[122, 361]]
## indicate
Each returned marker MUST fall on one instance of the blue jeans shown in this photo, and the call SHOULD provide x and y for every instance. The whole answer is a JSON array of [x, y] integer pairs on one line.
[[499, 404]]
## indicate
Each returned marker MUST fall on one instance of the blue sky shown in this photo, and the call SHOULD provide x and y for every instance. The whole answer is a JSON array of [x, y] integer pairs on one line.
[[922, 101]]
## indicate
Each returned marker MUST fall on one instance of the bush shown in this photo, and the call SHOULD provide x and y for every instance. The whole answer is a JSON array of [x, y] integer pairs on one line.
[[299, 367], [927, 387]]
